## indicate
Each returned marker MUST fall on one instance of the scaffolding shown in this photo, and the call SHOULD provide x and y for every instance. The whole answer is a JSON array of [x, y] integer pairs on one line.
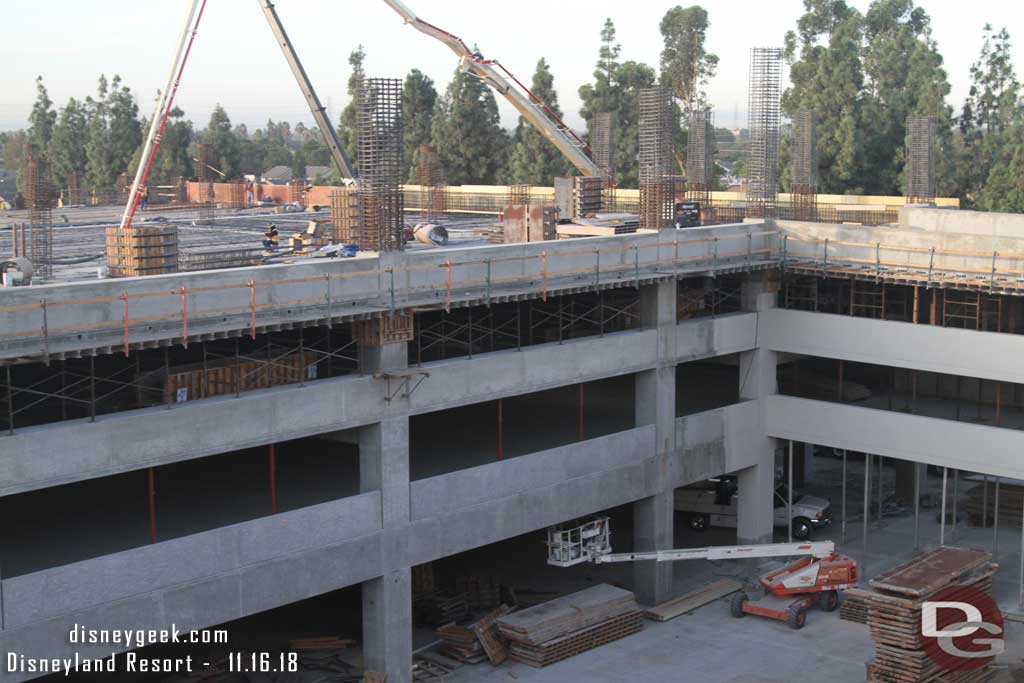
[[431, 182], [700, 162], [655, 158], [602, 142], [39, 198], [763, 123], [804, 188], [380, 165], [920, 168]]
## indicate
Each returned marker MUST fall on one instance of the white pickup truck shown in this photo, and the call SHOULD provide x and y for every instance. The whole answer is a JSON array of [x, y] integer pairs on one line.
[[715, 503]]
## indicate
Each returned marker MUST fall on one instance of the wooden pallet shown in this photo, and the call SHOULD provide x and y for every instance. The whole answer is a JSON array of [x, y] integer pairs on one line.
[[576, 642], [692, 600], [568, 614], [854, 609]]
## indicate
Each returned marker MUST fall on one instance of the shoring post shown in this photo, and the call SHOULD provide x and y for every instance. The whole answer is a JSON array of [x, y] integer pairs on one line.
[[995, 520], [46, 334], [867, 505], [469, 331], [448, 287], [917, 505], [272, 468], [501, 430], [10, 403], [789, 495], [238, 371], [184, 316], [167, 378], [252, 309], [124, 315], [942, 520], [302, 356], [151, 488], [580, 422], [92, 388], [842, 532]]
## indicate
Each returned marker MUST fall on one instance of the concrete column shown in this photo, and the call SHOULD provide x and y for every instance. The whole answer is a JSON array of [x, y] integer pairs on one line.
[[656, 404], [384, 467], [757, 380]]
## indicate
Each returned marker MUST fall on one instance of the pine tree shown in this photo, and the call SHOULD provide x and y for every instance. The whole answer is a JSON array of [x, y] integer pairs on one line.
[[466, 132], [686, 66], [419, 99], [1004, 187], [100, 167], [173, 159], [221, 138], [41, 120], [535, 161], [348, 126], [68, 143], [125, 127]]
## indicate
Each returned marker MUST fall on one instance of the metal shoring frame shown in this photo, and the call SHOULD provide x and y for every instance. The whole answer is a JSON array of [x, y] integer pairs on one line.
[[956, 482], [942, 520], [995, 520], [842, 533], [867, 504], [789, 496], [917, 505]]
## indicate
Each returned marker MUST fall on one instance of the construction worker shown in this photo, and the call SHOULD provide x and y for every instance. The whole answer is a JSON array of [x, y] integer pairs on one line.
[[143, 197], [248, 193], [272, 237]]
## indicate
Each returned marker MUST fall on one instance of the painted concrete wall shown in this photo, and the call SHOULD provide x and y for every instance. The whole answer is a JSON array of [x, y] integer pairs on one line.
[[904, 345], [944, 443], [36, 457]]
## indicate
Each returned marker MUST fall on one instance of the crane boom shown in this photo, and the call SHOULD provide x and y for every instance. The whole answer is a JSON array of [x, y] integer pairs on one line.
[[317, 109], [819, 550], [538, 114]]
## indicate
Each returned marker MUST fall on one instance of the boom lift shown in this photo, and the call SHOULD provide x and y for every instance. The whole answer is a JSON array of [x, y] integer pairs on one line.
[[491, 72], [817, 577]]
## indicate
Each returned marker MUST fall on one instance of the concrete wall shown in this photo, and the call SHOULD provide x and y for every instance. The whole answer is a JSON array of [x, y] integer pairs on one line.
[[944, 443], [983, 223], [37, 457], [904, 345]]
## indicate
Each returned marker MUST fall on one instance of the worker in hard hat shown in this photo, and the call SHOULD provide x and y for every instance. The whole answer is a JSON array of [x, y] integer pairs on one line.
[[272, 237]]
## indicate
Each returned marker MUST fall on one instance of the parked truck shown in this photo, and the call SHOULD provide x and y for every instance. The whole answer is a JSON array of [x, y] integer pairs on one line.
[[716, 503]]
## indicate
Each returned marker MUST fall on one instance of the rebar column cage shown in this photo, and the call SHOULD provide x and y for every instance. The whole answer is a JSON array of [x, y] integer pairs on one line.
[[236, 194], [804, 186], [518, 195], [380, 165], [431, 182], [920, 167], [655, 158], [763, 122], [39, 198], [602, 143], [700, 161]]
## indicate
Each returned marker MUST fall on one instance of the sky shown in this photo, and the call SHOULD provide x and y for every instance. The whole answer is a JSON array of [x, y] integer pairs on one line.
[[237, 63]]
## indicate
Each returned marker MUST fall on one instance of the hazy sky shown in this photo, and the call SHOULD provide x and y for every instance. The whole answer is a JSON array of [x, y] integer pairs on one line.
[[237, 63]]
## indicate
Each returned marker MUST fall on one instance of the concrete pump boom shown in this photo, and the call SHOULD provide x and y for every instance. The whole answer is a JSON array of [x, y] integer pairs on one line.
[[322, 122], [529, 105]]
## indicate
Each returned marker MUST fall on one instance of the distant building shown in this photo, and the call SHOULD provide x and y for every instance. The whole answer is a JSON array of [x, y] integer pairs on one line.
[[277, 175], [314, 172]]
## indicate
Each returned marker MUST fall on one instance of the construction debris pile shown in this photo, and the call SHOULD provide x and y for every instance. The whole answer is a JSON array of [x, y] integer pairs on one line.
[[565, 627], [894, 613]]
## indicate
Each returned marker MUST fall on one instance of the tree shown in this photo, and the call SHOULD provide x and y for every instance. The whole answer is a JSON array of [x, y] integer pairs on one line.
[[535, 161], [686, 66], [221, 138], [173, 159], [348, 126], [603, 94], [68, 142], [1004, 187], [827, 76], [992, 102], [466, 131], [124, 126], [41, 120], [100, 166], [419, 99]]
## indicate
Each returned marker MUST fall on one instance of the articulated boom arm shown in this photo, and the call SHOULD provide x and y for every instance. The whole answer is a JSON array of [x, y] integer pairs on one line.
[[529, 105], [725, 552]]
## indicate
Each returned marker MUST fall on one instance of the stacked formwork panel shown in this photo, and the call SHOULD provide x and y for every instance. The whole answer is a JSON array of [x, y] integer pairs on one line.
[[700, 162], [602, 142], [380, 165], [39, 198], [431, 182], [344, 215], [804, 190], [764, 115], [587, 195], [920, 168], [655, 158]]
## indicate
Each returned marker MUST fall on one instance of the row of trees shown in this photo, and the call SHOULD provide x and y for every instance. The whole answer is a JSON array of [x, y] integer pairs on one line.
[[863, 73]]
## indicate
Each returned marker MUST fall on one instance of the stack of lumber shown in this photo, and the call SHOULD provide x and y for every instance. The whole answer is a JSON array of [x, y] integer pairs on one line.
[[894, 613], [854, 608], [432, 609], [476, 642], [564, 627], [693, 600], [1011, 504]]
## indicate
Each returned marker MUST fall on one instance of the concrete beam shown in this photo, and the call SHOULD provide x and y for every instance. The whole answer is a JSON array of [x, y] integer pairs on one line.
[[967, 353], [943, 443]]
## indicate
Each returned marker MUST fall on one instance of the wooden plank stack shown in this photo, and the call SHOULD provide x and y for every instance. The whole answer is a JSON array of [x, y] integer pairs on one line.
[[223, 376], [854, 608], [692, 600], [894, 613], [477, 641], [564, 627], [144, 250]]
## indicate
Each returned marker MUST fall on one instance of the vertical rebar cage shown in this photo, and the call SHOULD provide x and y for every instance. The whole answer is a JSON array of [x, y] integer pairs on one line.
[[431, 182], [602, 143], [764, 111], [39, 198], [380, 165], [700, 162], [920, 167], [804, 186], [655, 158]]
